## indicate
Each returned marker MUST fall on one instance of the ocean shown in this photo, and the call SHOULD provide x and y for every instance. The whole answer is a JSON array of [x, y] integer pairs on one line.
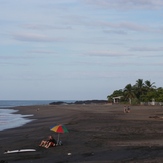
[[9, 120]]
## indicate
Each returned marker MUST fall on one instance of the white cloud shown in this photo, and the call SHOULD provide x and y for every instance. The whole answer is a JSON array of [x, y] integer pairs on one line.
[[146, 49], [34, 37], [118, 27], [125, 25], [40, 52], [107, 54], [118, 32], [127, 4], [44, 27]]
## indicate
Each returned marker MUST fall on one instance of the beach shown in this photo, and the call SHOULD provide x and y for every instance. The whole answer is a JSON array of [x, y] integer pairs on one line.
[[98, 133]]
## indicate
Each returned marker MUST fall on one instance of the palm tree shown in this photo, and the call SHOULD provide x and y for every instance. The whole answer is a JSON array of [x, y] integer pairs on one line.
[[139, 88], [149, 85], [129, 92]]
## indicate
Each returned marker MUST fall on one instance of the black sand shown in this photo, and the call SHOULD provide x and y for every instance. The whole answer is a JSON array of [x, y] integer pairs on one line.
[[97, 133]]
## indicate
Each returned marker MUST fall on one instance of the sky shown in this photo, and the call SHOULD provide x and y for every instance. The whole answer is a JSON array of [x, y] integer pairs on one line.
[[78, 49]]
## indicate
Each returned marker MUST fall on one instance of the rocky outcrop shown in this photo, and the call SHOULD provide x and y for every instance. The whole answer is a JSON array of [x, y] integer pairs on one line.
[[58, 103], [91, 102], [80, 102]]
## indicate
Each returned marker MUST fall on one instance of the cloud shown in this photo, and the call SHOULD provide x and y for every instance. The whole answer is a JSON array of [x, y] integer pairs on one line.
[[127, 4], [118, 32], [45, 27], [146, 49], [124, 25], [107, 54], [10, 57], [120, 27], [132, 26], [8, 62], [40, 52], [34, 37]]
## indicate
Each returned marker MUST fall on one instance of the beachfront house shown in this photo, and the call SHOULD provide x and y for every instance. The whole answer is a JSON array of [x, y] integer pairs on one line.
[[116, 99]]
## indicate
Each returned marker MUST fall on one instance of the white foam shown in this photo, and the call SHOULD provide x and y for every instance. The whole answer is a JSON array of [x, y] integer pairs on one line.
[[9, 120]]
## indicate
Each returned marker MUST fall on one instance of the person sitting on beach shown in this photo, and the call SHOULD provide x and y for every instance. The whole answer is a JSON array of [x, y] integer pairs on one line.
[[128, 109], [51, 142], [124, 109]]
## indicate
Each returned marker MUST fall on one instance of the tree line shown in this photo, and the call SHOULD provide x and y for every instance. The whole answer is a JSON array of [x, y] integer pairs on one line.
[[141, 91]]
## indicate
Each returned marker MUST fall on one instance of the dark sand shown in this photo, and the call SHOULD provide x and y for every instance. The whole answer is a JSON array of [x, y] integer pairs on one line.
[[97, 134]]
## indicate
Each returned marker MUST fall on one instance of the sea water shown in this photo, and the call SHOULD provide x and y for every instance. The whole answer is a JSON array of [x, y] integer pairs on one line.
[[9, 120]]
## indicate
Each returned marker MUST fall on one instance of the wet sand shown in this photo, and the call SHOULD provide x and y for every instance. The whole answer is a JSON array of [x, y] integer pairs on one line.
[[98, 133]]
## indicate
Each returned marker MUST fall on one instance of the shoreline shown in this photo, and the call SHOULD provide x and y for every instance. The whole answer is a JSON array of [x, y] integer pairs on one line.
[[97, 133], [10, 118]]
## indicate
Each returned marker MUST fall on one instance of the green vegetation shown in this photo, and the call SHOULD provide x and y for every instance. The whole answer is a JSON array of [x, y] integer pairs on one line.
[[140, 92]]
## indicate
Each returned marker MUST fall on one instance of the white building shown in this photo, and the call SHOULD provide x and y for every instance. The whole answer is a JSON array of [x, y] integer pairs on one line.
[[117, 99]]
